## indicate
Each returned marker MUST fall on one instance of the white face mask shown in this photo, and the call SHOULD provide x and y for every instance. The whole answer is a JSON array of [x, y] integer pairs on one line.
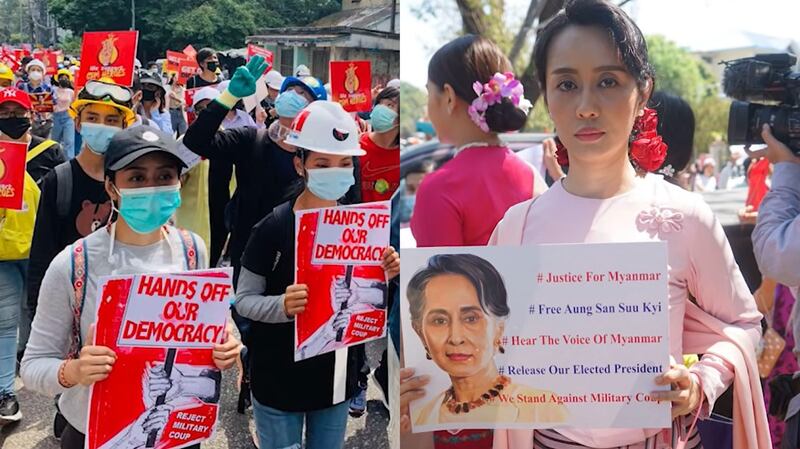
[[35, 75]]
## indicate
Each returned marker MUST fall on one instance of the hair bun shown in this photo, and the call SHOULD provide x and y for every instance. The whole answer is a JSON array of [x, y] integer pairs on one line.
[[505, 117]]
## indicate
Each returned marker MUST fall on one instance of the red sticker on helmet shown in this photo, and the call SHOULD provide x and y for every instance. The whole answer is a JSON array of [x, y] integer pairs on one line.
[[341, 136], [300, 120]]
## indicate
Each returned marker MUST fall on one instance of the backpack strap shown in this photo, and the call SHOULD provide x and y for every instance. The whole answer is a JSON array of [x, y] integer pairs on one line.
[[79, 274], [39, 149], [63, 188], [189, 249]]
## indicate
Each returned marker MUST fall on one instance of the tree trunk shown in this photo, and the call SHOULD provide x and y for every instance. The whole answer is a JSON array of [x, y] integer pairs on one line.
[[549, 8], [519, 40]]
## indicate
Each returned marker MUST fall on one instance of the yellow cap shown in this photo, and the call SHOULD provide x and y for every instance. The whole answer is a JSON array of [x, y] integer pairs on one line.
[[6, 73], [64, 72]]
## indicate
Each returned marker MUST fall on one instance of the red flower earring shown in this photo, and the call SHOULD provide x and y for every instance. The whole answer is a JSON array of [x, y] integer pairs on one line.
[[561, 153], [647, 149]]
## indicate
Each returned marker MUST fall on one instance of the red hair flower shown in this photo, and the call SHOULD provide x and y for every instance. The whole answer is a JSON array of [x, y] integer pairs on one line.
[[647, 150]]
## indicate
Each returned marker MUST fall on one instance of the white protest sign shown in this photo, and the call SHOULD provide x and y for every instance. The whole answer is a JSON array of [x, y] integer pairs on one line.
[[175, 311], [254, 100], [351, 236], [583, 330]]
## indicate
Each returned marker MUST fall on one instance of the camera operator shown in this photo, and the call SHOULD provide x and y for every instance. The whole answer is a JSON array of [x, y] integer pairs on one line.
[[776, 238]]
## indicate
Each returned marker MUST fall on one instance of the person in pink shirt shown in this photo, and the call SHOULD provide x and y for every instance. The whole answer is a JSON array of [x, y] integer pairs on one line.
[[461, 202], [592, 65]]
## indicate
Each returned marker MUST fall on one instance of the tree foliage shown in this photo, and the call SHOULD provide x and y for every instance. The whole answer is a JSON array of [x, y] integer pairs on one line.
[[173, 24], [412, 108]]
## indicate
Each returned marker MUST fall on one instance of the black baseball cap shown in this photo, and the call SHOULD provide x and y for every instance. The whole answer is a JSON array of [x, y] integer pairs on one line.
[[132, 143]]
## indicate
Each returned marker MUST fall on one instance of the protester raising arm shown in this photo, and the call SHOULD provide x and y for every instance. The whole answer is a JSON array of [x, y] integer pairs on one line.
[[231, 145]]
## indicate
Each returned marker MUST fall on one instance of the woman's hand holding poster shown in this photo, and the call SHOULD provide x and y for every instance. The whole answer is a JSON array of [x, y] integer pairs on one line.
[[164, 388], [338, 253], [537, 336]]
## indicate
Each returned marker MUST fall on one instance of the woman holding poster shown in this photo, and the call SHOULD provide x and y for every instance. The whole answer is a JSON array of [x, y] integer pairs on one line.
[[593, 67], [314, 392], [142, 169], [458, 307]]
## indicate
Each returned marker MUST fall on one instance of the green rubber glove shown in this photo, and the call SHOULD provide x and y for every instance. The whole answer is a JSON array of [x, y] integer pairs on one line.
[[243, 83]]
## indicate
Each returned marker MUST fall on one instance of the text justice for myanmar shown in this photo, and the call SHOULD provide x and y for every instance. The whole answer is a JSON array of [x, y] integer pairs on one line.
[[178, 312]]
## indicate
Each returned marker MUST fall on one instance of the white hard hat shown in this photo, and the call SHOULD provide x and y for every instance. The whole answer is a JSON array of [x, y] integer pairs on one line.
[[274, 79], [36, 63], [325, 127], [206, 93], [302, 70], [393, 83]]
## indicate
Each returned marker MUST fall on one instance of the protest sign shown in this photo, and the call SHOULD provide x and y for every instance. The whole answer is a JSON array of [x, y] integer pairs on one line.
[[187, 68], [42, 101], [8, 58], [12, 174], [173, 61], [351, 85], [190, 52], [49, 59], [338, 255], [108, 54], [560, 335], [253, 50], [162, 328]]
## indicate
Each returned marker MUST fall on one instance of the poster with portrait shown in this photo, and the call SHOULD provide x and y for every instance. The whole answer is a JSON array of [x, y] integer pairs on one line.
[[540, 336], [338, 254], [42, 101], [164, 388], [12, 174]]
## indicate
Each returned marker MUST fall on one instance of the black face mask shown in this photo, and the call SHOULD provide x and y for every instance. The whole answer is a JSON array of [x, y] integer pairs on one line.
[[212, 66], [15, 127], [63, 83], [148, 95]]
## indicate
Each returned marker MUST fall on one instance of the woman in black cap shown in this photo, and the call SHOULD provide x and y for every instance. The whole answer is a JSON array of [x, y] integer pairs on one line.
[[142, 170]]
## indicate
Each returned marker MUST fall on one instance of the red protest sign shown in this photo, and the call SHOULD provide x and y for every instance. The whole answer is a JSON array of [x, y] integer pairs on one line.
[[108, 54], [8, 58], [187, 68], [338, 255], [253, 50], [42, 102], [174, 59], [190, 51], [12, 174], [49, 59], [351, 84], [162, 328]]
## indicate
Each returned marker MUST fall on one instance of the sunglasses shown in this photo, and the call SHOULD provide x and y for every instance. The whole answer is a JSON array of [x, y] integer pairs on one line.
[[98, 90]]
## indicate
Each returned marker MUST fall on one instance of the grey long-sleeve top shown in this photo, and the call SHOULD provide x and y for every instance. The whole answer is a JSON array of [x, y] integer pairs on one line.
[[253, 304]]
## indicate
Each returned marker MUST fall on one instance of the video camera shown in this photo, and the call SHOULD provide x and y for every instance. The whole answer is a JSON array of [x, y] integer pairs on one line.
[[766, 78]]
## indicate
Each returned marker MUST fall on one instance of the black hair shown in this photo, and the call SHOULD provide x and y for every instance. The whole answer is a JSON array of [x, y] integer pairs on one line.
[[204, 54], [471, 58], [389, 93], [492, 294], [627, 37], [676, 128], [136, 85]]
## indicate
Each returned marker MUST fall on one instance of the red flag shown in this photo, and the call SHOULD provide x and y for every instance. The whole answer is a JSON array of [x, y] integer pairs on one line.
[[12, 174], [351, 85], [108, 54]]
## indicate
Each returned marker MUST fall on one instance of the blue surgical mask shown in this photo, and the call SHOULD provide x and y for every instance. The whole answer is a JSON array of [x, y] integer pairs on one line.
[[148, 208], [289, 104], [98, 136], [330, 183], [383, 118]]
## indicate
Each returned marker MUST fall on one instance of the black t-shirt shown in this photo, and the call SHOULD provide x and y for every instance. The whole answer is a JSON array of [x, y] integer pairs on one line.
[[196, 81], [89, 210], [46, 161], [276, 380]]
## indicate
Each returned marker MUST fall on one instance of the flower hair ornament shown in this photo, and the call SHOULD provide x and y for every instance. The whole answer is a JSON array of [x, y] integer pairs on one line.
[[499, 87], [647, 150]]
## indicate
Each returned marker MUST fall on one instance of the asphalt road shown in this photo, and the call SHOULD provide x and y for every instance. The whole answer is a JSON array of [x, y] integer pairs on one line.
[[233, 430]]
